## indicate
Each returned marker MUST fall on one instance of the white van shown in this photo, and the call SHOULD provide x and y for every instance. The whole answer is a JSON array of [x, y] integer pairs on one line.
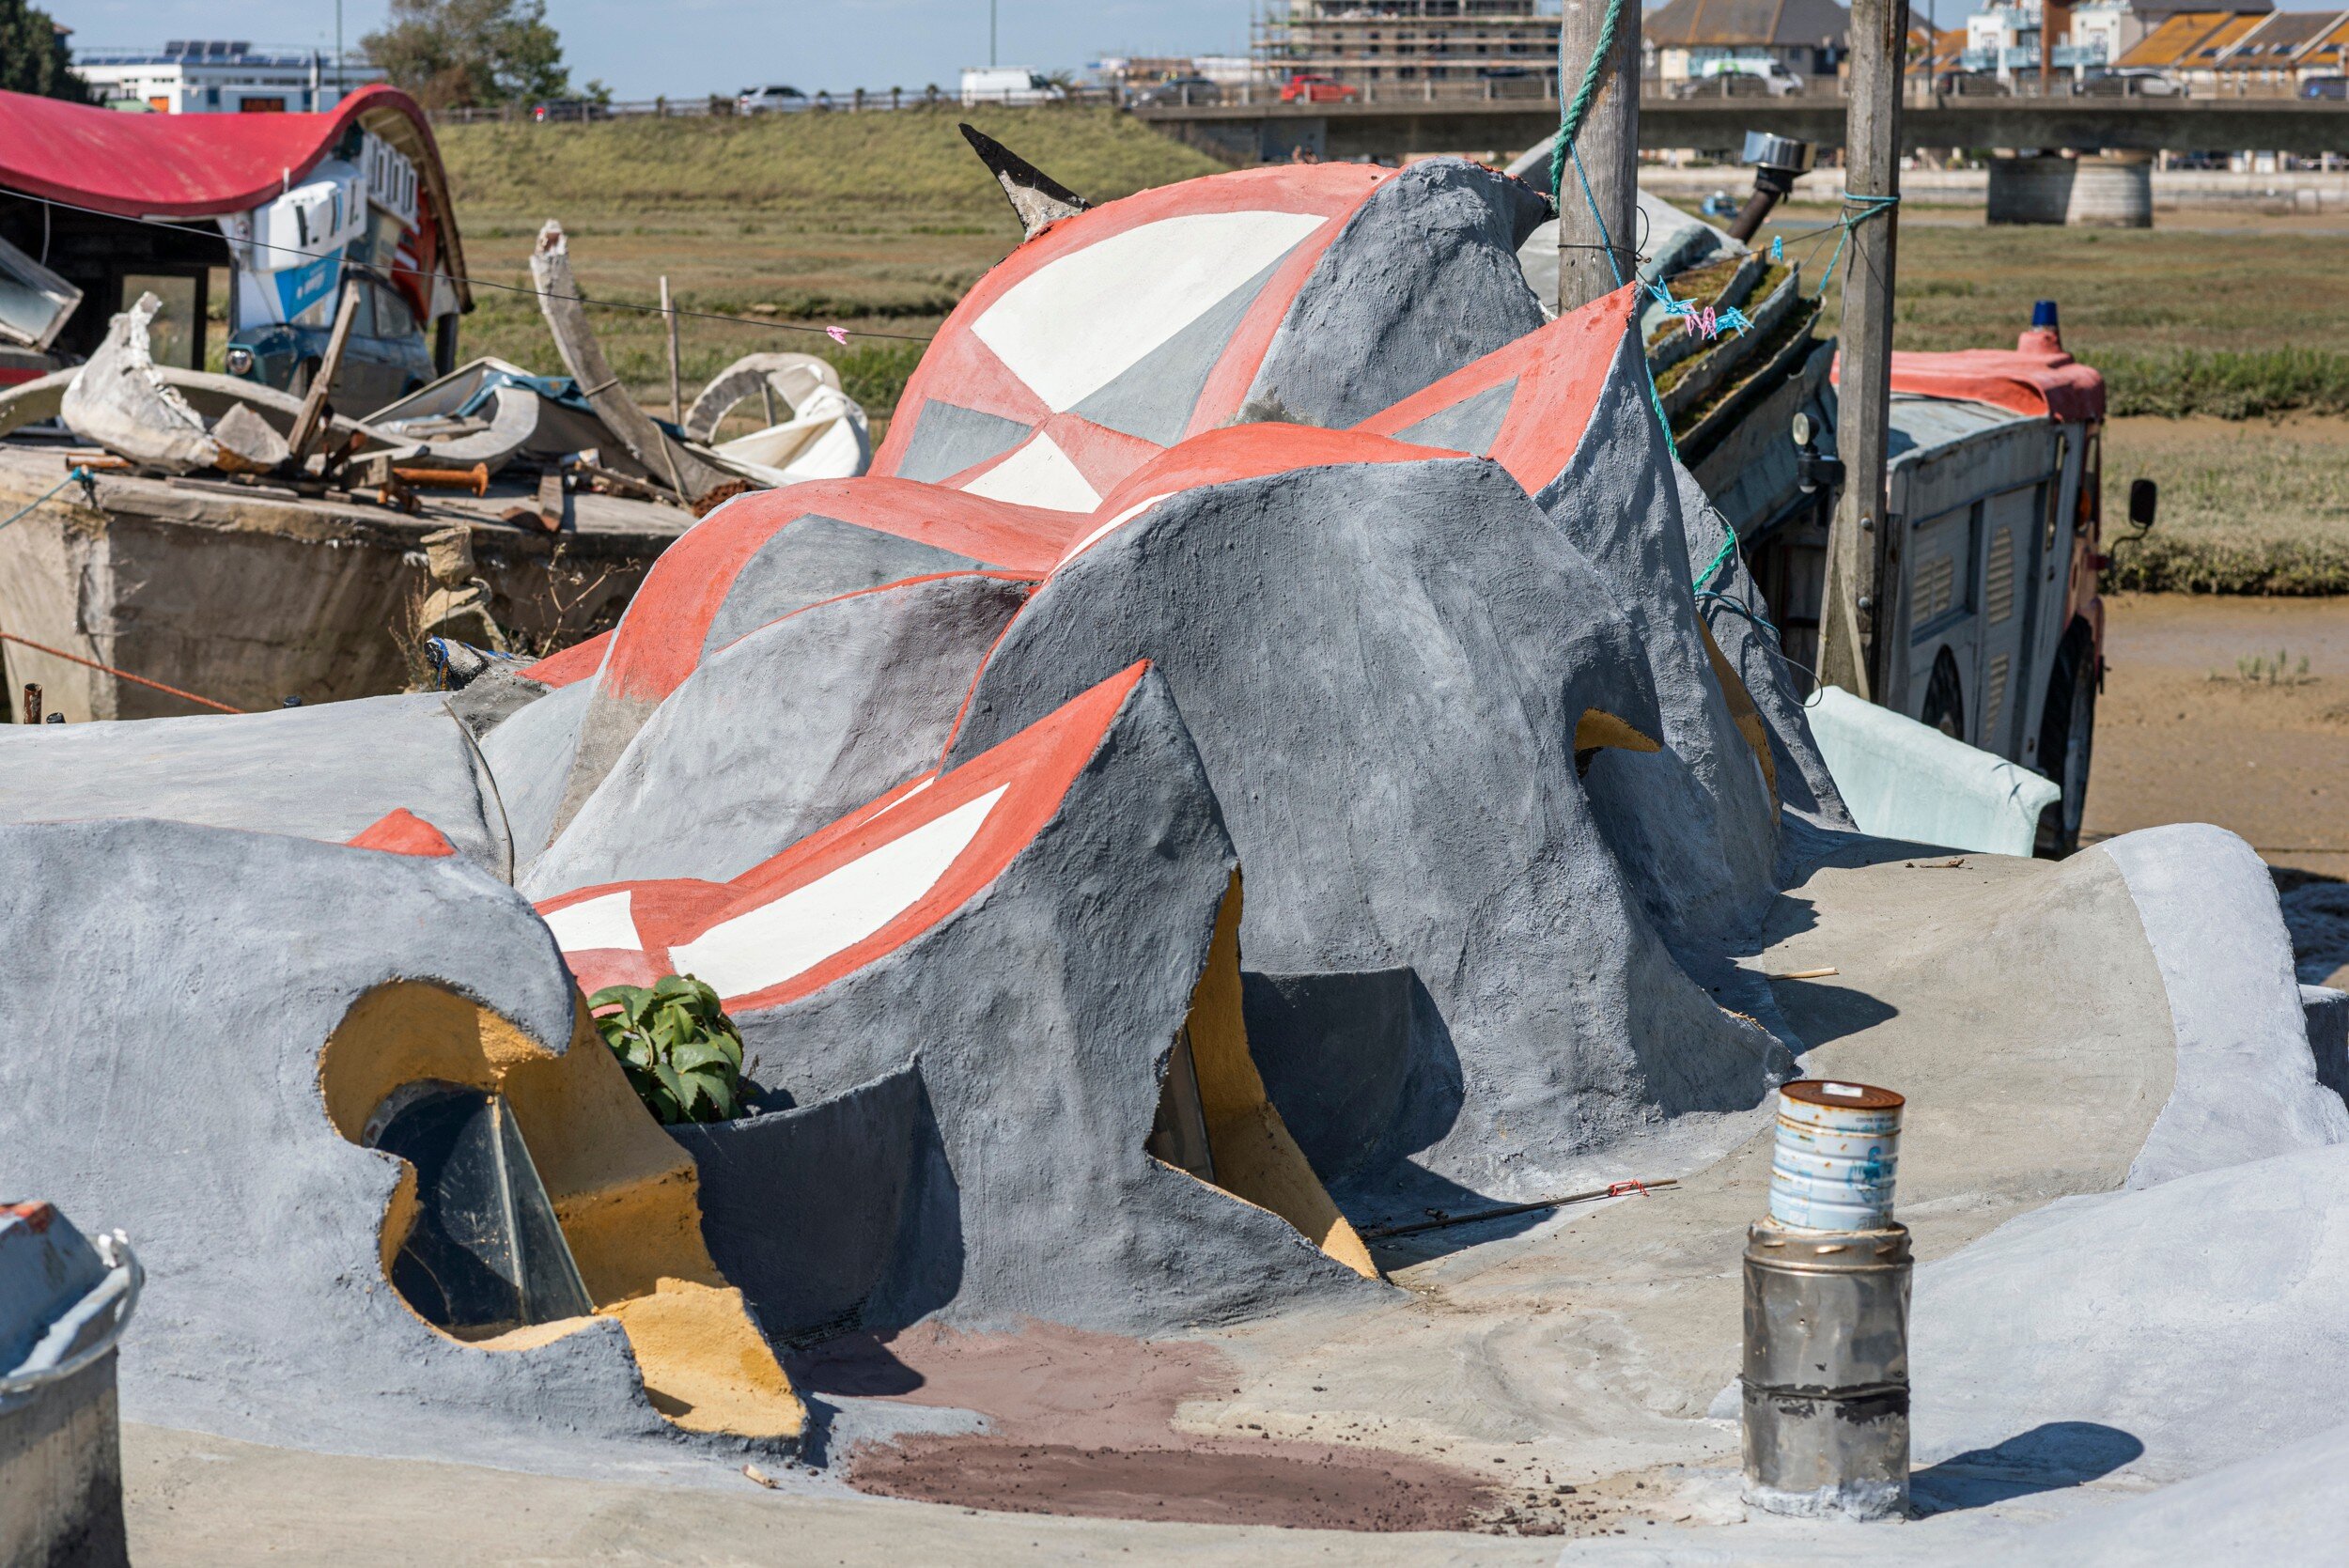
[[1009, 84], [1771, 73]]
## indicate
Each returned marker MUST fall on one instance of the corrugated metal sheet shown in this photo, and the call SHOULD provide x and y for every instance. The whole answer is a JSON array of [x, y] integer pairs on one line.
[[1921, 425]]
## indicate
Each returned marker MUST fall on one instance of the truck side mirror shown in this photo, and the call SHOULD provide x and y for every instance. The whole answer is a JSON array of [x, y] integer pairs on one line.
[[2145, 496]]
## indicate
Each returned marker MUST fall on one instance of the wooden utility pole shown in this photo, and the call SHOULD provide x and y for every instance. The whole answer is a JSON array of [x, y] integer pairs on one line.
[[1862, 552], [1610, 146], [668, 319]]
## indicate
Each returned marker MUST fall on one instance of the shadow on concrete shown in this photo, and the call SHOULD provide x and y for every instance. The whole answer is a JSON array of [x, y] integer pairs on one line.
[[2047, 1458], [844, 1213], [1819, 1012], [858, 1365]]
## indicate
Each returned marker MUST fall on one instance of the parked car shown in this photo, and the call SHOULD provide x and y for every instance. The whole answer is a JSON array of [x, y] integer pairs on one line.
[[2131, 82], [1179, 92], [386, 359], [2333, 88], [1013, 85], [1305, 87], [572, 110], [1974, 84], [770, 100]]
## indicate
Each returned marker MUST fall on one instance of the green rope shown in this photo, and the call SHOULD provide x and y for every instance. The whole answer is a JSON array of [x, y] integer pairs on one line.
[[79, 475], [1715, 565], [1869, 207], [1578, 109]]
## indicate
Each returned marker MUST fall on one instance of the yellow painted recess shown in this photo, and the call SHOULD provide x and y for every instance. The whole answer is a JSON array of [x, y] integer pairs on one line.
[[1742, 712], [627, 1195], [1255, 1159], [1597, 727]]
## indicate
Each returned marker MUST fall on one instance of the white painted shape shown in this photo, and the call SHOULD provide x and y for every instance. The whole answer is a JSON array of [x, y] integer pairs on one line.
[[768, 945], [919, 784], [606, 921], [1038, 474], [1079, 322], [1112, 525]]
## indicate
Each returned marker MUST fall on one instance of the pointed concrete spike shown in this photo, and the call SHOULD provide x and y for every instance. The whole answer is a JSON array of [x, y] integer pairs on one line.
[[1036, 197]]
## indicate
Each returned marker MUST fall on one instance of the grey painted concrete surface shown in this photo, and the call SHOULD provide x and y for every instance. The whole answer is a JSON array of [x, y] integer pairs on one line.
[[530, 758], [323, 772], [782, 733], [2247, 1081], [197, 972], [1692, 825], [1044, 1079], [1384, 666], [1423, 280], [2196, 1323]]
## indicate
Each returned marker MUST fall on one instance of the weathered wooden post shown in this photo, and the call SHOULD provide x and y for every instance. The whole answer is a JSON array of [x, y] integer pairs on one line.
[[1863, 554], [317, 416], [668, 321], [1608, 144]]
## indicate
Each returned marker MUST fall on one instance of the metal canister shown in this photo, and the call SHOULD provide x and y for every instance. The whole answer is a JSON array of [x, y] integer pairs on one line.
[[1836, 1156], [1826, 1429]]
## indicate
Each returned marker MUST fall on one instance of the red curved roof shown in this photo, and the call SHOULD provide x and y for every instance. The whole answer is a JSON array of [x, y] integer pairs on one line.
[[173, 165], [205, 165]]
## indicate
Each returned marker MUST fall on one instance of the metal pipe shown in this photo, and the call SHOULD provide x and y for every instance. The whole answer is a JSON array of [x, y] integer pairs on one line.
[[1777, 162], [1826, 1372]]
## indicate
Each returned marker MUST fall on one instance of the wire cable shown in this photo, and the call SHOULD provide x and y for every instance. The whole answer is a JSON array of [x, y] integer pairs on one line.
[[837, 334]]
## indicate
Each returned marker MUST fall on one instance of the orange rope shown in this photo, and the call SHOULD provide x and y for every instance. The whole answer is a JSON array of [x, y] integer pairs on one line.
[[119, 675]]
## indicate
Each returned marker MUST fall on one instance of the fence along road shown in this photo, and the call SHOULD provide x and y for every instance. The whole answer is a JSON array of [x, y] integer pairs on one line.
[[1391, 122]]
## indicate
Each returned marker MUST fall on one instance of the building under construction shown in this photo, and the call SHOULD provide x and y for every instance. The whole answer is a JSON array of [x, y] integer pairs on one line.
[[1379, 41]]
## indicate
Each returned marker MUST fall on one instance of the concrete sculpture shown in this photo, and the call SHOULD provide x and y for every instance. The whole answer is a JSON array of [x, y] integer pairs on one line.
[[1278, 743]]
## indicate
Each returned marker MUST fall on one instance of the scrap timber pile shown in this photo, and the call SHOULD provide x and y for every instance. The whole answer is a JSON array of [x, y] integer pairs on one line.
[[534, 503], [1246, 767]]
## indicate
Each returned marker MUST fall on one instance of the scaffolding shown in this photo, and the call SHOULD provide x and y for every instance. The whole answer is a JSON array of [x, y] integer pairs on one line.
[[1512, 44]]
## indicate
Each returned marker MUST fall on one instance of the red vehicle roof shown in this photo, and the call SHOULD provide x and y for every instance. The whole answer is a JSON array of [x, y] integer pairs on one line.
[[2035, 377], [204, 165]]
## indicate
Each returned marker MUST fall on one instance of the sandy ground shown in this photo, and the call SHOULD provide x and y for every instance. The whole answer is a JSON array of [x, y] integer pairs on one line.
[[2182, 735]]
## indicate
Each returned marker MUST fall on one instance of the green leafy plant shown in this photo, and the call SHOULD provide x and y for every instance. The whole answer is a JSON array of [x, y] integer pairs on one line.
[[681, 1053]]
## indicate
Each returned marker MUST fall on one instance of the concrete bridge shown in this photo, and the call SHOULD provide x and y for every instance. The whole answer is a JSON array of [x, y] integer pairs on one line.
[[1394, 124]]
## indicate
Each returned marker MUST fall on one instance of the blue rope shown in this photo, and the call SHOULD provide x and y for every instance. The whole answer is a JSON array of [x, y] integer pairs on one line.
[[79, 475], [1707, 595], [1869, 207], [1606, 241], [1732, 319]]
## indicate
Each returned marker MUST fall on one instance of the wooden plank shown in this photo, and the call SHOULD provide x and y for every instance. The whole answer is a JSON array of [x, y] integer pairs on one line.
[[575, 340], [313, 418]]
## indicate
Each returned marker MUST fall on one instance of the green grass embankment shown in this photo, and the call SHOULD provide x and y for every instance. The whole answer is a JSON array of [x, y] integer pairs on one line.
[[909, 167], [783, 223]]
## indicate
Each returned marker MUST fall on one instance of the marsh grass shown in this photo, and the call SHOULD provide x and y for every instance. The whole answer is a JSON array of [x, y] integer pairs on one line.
[[2253, 507]]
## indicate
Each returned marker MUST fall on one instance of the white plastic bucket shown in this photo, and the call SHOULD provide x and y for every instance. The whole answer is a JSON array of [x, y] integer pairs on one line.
[[1836, 1156]]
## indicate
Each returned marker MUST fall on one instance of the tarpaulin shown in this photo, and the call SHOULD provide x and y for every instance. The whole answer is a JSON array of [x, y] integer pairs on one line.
[[2035, 377]]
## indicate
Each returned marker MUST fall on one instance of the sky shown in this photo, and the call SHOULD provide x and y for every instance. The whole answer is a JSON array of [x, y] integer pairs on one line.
[[689, 48], [681, 48]]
